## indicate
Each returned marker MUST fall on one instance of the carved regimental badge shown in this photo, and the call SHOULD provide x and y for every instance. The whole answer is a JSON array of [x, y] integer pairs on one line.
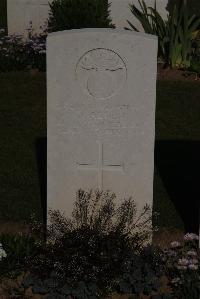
[[101, 73]]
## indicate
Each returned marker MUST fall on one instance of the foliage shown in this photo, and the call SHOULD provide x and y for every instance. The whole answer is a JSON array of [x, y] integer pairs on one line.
[[91, 244], [16, 53], [195, 59], [182, 266], [17, 248], [141, 273], [192, 5], [175, 34], [3, 14], [98, 251], [76, 14]]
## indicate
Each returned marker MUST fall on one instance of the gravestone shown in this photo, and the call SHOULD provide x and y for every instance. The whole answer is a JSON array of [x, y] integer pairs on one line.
[[21, 12], [101, 91]]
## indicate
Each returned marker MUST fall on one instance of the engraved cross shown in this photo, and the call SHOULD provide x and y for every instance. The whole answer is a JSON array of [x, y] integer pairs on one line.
[[101, 167]]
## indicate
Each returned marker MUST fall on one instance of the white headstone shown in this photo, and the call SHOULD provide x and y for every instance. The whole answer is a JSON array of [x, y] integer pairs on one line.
[[21, 12], [101, 89]]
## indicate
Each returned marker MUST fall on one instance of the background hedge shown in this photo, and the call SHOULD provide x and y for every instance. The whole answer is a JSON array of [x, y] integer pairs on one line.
[[76, 14], [3, 14]]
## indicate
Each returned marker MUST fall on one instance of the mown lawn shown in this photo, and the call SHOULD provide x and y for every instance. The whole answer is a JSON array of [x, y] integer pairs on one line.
[[23, 121]]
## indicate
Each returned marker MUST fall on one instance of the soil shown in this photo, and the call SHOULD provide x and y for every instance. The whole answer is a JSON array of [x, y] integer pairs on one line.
[[165, 73], [13, 228]]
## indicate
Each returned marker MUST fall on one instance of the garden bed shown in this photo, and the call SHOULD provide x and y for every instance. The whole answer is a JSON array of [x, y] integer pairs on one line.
[[176, 74]]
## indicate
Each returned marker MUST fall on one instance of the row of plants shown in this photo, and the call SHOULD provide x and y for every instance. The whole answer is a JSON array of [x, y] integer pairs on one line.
[[178, 35], [18, 53], [102, 249]]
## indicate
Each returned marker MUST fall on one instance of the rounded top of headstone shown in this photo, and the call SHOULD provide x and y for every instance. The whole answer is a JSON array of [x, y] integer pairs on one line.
[[103, 30]]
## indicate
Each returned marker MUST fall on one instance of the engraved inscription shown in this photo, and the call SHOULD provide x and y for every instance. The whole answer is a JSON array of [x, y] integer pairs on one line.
[[104, 120], [101, 73]]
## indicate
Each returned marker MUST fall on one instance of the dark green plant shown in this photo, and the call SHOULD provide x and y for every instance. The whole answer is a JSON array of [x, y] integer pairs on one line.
[[76, 14], [192, 5], [18, 248], [3, 14], [141, 273], [175, 34], [195, 59], [91, 244]]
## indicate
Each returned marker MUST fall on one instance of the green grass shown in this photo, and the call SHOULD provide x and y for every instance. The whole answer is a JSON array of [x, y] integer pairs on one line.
[[177, 118], [23, 120], [178, 110]]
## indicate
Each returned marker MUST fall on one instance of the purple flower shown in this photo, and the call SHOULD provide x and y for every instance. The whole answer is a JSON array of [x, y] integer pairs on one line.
[[194, 261], [193, 267]]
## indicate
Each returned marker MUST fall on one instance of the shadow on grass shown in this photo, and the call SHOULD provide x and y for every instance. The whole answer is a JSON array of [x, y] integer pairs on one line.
[[178, 165]]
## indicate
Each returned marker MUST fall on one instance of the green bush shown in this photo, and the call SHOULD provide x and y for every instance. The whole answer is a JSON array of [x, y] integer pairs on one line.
[[193, 6], [76, 14], [175, 35], [3, 14], [94, 243]]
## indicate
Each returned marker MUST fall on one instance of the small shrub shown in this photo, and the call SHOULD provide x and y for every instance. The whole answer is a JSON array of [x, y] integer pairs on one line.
[[90, 246], [141, 273], [76, 14]]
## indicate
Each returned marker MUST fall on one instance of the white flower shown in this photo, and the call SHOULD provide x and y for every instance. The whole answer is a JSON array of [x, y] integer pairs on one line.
[[193, 267], [183, 262], [2, 30], [42, 51], [2, 252], [190, 237], [192, 253], [175, 244]]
